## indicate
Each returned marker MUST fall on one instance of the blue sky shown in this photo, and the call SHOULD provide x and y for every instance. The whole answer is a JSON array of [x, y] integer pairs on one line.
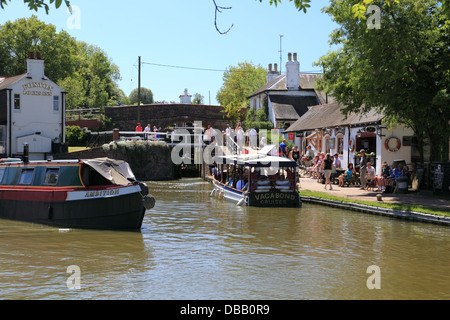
[[181, 33]]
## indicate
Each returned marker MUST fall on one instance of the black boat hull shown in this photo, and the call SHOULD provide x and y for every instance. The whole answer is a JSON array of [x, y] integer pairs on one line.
[[124, 212]]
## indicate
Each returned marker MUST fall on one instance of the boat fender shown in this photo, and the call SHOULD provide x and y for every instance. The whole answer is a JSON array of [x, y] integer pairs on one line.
[[212, 193], [241, 202], [144, 188], [149, 201], [221, 195]]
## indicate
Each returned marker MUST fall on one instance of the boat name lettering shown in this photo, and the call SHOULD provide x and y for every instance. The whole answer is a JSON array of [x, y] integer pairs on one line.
[[275, 195], [93, 194], [275, 199]]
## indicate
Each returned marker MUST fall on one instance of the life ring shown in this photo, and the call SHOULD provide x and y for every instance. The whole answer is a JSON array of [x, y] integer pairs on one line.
[[394, 149], [351, 145]]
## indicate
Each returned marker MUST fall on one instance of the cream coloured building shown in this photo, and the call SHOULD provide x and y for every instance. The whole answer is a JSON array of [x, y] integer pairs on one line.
[[32, 110]]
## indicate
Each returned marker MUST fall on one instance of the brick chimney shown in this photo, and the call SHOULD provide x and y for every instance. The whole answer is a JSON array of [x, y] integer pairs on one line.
[[292, 72], [272, 74], [35, 66]]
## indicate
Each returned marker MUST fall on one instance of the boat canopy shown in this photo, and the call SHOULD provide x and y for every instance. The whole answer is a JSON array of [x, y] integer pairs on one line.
[[260, 159], [116, 171]]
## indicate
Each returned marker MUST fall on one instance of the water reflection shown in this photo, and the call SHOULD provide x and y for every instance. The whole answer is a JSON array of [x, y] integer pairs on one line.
[[193, 246]]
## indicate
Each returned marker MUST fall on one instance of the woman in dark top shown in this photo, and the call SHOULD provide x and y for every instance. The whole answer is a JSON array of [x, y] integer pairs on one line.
[[328, 167], [294, 154]]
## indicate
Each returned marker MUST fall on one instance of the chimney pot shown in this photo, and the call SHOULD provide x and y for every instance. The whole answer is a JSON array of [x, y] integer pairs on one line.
[[295, 56], [276, 67], [38, 55], [270, 67], [289, 56], [31, 56]]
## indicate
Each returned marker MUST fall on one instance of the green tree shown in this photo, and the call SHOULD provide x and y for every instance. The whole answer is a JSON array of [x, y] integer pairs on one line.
[[146, 96], [238, 82], [84, 71], [19, 38], [401, 69], [198, 99]]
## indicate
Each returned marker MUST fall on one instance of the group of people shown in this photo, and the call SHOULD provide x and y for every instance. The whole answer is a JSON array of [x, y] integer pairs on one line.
[[323, 167], [149, 134], [240, 137]]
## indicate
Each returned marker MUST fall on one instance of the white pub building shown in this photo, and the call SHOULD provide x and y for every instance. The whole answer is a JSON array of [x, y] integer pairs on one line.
[[32, 111]]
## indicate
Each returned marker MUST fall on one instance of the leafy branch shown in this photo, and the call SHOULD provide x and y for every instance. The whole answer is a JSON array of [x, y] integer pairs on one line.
[[37, 4], [299, 4]]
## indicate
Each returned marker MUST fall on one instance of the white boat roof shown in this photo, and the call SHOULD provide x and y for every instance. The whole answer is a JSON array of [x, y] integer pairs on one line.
[[260, 159]]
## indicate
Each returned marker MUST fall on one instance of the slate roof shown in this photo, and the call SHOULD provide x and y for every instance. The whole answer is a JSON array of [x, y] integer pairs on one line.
[[6, 82], [291, 108], [330, 115], [307, 82]]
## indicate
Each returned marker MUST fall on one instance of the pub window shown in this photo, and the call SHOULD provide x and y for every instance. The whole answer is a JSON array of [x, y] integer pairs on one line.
[[340, 144], [16, 101], [26, 176], [51, 176], [2, 172], [55, 103]]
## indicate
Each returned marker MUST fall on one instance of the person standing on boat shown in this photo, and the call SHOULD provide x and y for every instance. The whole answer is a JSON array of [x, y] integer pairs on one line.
[[253, 138], [138, 127], [240, 137]]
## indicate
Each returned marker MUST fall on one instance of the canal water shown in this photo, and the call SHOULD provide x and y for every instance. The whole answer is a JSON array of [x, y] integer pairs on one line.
[[193, 246]]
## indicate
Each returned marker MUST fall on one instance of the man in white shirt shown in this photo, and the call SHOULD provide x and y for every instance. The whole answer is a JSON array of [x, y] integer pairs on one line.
[[337, 161], [253, 138]]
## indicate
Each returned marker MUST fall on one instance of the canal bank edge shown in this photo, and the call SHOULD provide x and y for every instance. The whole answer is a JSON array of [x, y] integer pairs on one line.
[[393, 213], [388, 212]]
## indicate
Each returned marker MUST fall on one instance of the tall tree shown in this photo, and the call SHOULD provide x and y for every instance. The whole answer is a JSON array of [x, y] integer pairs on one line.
[[146, 96], [84, 71], [401, 69], [198, 99], [19, 38], [238, 82]]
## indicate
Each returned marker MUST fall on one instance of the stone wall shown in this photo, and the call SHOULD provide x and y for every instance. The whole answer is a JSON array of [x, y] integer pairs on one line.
[[164, 115], [153, 164]]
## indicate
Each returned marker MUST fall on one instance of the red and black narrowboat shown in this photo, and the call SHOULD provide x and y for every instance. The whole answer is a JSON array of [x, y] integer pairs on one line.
[[97, 193]]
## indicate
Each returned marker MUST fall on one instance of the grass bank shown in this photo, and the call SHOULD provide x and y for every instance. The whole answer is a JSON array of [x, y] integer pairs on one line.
[[394, 206]]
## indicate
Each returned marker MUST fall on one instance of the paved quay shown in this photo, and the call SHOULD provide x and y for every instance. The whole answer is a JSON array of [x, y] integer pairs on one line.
[[424, 197]]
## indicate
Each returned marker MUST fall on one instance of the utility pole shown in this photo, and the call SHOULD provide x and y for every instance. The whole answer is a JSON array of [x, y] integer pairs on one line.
[[139, 91], [281, 52]]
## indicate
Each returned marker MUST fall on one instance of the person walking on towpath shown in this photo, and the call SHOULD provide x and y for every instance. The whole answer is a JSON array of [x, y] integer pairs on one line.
[[327, 168], [363, 168]]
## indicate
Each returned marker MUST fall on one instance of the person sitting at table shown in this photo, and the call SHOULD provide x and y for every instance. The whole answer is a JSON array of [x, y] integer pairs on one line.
[[370, 175], [313, 169], [347, 175], [385, 172]]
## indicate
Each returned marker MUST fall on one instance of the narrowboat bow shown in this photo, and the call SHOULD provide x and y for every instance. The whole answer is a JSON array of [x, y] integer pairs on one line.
[[257, 180], [97, 193]]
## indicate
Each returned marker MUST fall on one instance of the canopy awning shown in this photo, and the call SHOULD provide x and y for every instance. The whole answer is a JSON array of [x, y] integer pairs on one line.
[[116, 171]]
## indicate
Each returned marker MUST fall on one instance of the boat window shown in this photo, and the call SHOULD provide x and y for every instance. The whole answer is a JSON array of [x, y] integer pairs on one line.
[[51, 176], [2, 172], [26, 176]]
